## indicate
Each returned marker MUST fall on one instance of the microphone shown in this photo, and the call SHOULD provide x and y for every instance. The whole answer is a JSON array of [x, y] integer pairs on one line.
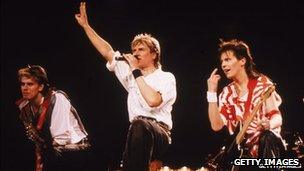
[[121, 58]]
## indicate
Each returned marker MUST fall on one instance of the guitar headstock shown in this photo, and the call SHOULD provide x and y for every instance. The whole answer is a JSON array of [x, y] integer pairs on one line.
[[267, 93]]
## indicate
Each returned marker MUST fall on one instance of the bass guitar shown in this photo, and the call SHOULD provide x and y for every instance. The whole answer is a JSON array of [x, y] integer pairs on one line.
[[223, 160]]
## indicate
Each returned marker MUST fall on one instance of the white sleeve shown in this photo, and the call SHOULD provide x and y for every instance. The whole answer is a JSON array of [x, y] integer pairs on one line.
[[60, 120], [121, 70], [272, 110], [167, 89], [273, 102]]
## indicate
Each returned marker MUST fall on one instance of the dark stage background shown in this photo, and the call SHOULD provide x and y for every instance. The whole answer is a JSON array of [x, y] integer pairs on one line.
[[46, 33]]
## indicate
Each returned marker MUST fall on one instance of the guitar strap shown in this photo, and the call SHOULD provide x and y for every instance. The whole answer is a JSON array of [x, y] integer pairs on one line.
[[45, 105], [26, 117], [251, 86], [41, 120]]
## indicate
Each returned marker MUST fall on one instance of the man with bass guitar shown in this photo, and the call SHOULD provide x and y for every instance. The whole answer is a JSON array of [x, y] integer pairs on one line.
[[240, 104]]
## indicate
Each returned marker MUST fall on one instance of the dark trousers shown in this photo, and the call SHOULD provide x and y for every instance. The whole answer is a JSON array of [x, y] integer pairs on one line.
[[270, 146], [69, 160], [147, 140]]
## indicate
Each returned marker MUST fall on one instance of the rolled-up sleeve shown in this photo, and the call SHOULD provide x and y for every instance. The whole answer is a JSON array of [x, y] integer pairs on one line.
[[272, 110], [166, 86], [167, 91]]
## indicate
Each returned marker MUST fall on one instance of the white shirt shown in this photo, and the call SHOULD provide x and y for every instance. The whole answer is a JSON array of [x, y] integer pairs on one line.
[[64, 126], [163, 82]]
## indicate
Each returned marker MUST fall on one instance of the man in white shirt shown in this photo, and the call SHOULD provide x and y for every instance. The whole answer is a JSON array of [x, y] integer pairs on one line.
[[151, 94], [51, 122]]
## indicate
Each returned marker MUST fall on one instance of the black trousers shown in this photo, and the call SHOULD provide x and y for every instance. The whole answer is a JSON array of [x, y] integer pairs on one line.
[[69, 160], [147, 140], [270, 146]]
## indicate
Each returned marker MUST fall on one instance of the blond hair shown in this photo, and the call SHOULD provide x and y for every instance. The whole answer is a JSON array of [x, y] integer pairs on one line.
[[38, 73], [151, 42]]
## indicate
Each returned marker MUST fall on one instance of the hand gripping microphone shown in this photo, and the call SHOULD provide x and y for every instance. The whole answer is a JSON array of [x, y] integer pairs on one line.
[[121, 58]]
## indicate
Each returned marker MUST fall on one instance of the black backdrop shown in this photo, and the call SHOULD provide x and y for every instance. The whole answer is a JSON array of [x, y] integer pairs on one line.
[[46, 33]]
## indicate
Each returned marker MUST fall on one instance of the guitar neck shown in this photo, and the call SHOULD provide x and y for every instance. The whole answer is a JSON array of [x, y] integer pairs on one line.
[[241, 134]]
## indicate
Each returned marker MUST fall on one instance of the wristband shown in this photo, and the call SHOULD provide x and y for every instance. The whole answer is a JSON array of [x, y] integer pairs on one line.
[[211, 97], [136, 73]]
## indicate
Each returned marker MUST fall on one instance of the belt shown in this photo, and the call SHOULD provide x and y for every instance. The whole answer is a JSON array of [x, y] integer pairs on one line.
[[80, 146]]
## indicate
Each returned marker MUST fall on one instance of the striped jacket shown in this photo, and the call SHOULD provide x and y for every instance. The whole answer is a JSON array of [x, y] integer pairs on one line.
[[234, 109]]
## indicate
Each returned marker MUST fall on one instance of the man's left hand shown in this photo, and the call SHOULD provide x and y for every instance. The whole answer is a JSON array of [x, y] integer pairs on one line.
[[264, 124], [132, 61]]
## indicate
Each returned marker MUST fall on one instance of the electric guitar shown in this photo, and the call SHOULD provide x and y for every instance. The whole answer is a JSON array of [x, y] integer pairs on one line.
[[33, 135]]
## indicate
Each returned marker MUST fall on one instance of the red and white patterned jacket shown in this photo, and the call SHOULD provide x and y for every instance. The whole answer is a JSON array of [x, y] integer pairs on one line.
[[232, 109]]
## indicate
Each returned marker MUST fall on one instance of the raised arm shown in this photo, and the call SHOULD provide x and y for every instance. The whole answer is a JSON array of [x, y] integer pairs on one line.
[[213, 109], [103, 47]]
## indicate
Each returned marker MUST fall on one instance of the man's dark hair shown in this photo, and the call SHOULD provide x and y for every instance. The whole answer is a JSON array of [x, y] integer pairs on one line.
[[241, 50]]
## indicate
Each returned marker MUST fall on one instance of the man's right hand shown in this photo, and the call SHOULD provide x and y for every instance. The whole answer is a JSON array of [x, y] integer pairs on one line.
[[213, 81], [103, 47], [132, 61], [81, 17]]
